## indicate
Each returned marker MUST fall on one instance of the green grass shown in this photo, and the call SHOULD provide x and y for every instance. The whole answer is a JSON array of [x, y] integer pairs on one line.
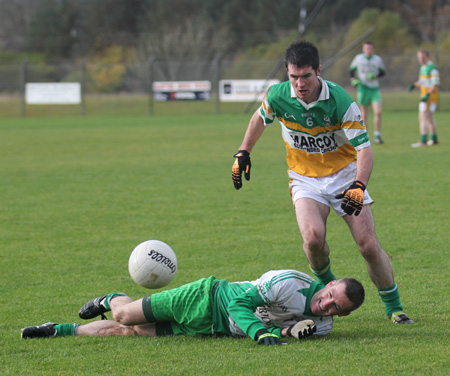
[[79, 193]]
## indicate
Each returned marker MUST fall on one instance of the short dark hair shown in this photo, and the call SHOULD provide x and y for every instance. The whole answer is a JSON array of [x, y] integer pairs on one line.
[[302, 54], [369, 42], [354, 291]]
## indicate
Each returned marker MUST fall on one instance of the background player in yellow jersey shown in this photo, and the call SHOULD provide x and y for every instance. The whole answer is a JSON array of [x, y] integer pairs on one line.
[[323, 133], [365, 70], [428, 84]]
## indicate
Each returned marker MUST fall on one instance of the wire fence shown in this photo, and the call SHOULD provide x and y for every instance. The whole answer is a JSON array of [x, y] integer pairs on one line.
[[138, 77]]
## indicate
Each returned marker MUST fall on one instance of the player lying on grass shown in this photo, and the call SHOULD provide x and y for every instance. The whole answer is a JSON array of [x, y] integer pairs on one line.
[[282, 303]]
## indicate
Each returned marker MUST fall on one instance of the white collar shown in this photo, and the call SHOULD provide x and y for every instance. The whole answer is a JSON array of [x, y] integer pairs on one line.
[[323, 95]]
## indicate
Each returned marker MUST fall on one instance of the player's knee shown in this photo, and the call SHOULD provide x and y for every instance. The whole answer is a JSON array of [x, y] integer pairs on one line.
[[122, 316], [369, 249], [313, 241]]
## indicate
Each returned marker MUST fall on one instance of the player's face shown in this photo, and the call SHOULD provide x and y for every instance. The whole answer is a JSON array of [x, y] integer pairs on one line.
[[305, 82], [331, 300], [423, 58], [368, 49]]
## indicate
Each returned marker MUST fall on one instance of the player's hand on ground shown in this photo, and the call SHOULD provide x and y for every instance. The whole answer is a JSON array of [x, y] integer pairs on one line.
[[269, 339], [425, 97], [242, 164], [353, 198], [302, 329]]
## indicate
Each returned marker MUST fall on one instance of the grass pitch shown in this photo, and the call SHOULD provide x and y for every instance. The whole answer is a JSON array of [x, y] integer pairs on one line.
[[79, 193]]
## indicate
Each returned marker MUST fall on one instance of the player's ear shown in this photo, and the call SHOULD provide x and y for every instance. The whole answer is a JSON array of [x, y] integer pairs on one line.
[[344, 314], [330, 283]]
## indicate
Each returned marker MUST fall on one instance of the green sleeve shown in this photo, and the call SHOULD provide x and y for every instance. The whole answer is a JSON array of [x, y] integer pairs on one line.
[[242, 308]]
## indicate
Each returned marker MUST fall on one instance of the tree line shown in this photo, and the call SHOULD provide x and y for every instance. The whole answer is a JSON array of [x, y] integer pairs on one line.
[[195, 29]]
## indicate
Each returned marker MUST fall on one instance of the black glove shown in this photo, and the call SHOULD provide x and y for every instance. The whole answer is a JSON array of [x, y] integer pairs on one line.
[[269, 339], [242, 164], [302, 329], [353, 198]]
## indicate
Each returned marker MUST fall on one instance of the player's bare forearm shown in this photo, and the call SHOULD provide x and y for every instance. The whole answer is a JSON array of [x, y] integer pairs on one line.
[[254, 131], [364, 165]]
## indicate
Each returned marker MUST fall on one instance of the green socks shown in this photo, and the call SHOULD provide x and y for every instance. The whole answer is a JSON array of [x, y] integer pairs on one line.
[[108, 298], [63, 330], [391, 299], [324, 275], [389, 296]]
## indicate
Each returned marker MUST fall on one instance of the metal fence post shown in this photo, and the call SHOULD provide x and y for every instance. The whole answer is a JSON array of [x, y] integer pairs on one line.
[[151, 62], [217, 76], [23, 80], [83, 87]]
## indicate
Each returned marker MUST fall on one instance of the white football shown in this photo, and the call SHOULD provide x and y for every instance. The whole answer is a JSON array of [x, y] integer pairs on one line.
[[153, 264]]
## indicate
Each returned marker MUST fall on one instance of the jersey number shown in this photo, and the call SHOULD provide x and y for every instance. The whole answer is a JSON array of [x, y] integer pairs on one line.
[[309, 122]]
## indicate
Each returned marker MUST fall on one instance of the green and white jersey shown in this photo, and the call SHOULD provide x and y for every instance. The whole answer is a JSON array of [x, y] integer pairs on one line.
[[321, 137], [278, 299], [365, 65]]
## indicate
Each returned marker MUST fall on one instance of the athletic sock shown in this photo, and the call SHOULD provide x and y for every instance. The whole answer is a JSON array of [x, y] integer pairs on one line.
[[423, 138], [324, 274], [434, 137], [391, 299], [108, 298], [63, 330], [377, 133]]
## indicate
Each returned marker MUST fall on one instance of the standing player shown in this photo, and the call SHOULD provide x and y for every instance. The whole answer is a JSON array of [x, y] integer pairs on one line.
[[324, 135], [429, 91], [365, 70], [282, 303]]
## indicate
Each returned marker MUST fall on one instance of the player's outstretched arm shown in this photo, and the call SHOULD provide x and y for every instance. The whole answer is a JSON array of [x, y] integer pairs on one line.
[[242, 163]]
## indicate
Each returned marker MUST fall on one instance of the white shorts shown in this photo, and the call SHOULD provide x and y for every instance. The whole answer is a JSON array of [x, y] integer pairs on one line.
[[324, 189], [427, 106]]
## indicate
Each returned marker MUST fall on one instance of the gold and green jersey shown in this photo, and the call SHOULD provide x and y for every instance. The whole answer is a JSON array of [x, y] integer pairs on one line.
[[321, 137], [429, 76], [278, 299]]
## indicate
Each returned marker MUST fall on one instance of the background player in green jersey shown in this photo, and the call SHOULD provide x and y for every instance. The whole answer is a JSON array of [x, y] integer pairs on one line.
[[282, 303], [428, 84], [324, 135], [365, 70]]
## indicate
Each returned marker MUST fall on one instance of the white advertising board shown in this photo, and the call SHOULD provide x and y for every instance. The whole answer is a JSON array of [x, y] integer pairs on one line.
[[181, 90], [53, 93], [244, 90]]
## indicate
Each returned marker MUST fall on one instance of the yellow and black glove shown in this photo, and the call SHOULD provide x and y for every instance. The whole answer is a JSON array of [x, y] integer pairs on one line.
[[302, 329], [353, 198], [268, 339], [242, 164]]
